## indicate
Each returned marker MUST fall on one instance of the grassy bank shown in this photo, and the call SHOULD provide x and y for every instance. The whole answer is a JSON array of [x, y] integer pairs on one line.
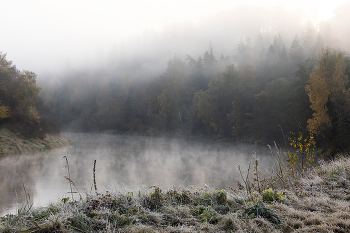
[[319, 202], [11, 143]]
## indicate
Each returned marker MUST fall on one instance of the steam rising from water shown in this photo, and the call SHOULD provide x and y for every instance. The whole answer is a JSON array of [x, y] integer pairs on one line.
[[133, 161]]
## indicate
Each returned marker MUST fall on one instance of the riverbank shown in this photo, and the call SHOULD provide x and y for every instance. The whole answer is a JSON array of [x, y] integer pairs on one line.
[[11, 143], [319, 202]]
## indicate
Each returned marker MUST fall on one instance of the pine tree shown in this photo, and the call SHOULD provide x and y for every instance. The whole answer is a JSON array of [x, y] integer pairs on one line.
[[309, 39], [296, 53], [318, 45]]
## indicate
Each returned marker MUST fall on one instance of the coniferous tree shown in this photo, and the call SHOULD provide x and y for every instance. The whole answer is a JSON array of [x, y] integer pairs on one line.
[[296, 54], [209, 63], [259, 47], [318, 46], [271, 57], [308, 40]]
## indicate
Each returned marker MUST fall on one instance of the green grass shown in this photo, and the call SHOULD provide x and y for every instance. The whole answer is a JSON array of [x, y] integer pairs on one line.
[[319, 202]]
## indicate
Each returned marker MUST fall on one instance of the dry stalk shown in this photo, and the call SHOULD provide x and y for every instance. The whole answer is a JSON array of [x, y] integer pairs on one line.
[[27, 195], [256, 164], [94, 173], [280, 165], [246, 180], [68, 178]]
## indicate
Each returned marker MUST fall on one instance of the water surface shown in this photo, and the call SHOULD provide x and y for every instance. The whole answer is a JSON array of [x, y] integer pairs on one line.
[[130, 161]]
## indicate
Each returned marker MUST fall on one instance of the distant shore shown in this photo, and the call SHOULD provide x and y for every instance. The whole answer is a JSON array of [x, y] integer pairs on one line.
[[11, 143]]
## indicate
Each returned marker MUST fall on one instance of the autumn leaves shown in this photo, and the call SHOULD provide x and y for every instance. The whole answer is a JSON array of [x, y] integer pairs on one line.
[[327, 91]]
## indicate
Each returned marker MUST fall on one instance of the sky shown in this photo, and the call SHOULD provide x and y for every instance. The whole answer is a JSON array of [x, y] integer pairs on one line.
[[44, 34]]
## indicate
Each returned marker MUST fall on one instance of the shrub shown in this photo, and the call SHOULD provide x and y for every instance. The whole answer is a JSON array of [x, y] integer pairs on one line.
[[301, 156], [221, 196], [259, 210], [270, 195]]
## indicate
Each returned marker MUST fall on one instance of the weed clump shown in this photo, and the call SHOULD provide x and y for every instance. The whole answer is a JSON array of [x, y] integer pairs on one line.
[[208, 214], [221, 196], [260, 210]]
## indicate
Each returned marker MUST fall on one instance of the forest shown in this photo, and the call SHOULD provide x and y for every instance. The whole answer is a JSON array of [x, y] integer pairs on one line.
[[260, 94]]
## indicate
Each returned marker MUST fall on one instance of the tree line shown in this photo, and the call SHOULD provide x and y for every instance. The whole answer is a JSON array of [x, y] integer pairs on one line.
[[259, 95]]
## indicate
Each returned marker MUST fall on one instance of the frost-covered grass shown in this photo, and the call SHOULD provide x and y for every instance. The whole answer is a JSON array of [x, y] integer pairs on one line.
[[317, 203]]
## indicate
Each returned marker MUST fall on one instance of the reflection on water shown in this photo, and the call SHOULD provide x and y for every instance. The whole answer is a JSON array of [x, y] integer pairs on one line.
[[129, 160]]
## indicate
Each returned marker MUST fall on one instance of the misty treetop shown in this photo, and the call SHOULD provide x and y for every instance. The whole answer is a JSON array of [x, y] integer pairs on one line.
[[258, 94]]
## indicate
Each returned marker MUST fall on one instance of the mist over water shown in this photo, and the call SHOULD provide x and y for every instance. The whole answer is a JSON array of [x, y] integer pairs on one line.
[[126, 161]]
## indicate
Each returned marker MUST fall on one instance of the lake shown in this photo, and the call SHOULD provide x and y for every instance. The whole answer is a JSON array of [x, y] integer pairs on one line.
[[122, 161]]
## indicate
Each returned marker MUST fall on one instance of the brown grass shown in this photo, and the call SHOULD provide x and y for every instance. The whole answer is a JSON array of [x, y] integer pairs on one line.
[[14, 144]]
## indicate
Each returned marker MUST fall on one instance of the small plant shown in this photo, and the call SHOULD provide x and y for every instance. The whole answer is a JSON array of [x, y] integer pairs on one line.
[[221, 196], [270, 195], [119, 220], [301, 156], [157, 193], [65, 199], [256, 172], [254, 198], [259, 210], [302, 193], [154, 200], [208, 214], [256, 183]]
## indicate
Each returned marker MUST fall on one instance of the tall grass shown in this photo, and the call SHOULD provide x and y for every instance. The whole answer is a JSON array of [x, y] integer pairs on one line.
[[12, 143]]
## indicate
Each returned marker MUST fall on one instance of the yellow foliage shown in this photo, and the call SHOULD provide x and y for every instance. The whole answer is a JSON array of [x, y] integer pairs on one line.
[[4, 112], [327, 82], [303, 156], [33, 114]]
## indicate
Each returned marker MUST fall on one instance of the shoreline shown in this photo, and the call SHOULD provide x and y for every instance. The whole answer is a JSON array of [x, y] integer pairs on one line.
[[12, 143], [318, 202]]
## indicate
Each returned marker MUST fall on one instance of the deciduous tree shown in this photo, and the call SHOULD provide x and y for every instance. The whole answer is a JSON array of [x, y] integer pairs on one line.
[[27, 93], [328, 93]]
